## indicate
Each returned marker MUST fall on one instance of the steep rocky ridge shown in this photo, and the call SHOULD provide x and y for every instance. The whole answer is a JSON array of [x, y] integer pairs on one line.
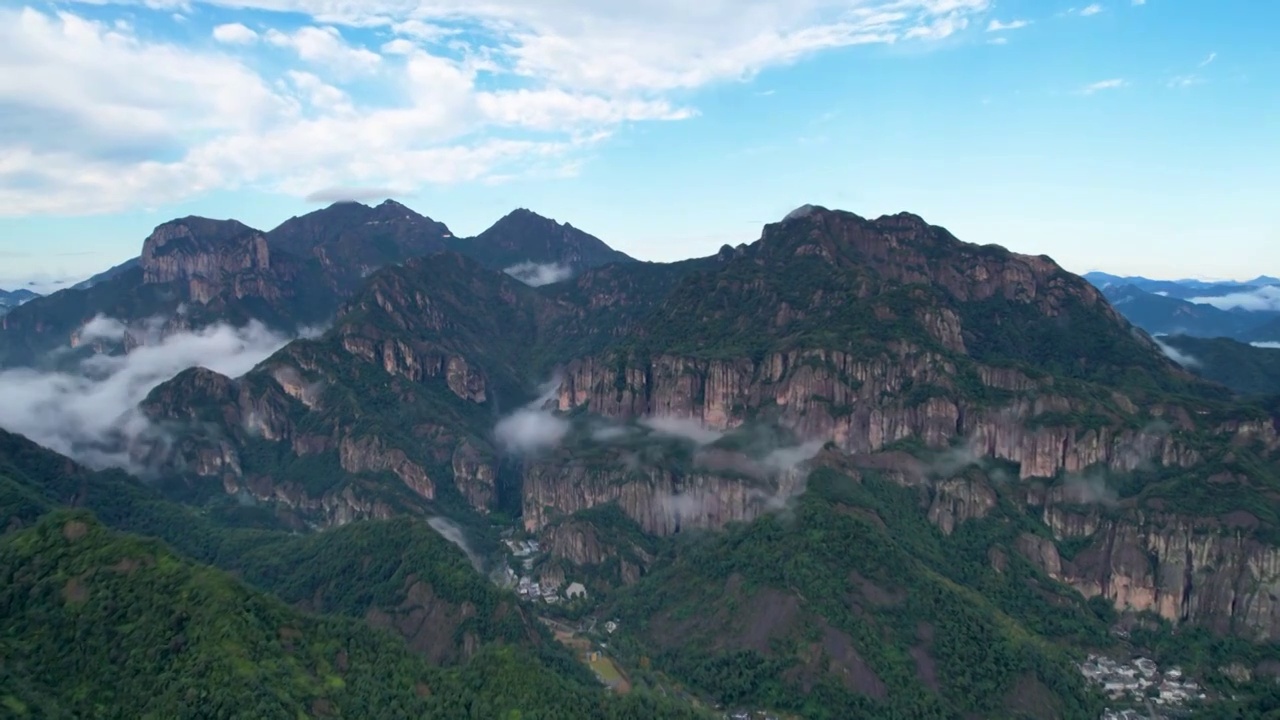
[[874, 335], [350, 240]]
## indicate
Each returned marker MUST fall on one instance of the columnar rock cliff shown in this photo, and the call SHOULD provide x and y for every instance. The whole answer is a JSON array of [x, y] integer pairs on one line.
[[865, 404], [661, 500], [1206, 571], [211, 257]]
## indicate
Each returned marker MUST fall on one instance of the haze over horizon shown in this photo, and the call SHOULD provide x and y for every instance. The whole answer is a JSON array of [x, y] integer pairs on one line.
[[667, 134]]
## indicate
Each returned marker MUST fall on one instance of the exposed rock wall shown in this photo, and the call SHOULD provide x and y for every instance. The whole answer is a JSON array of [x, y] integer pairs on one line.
[[865, 404], [661, 501], [1206, 571]]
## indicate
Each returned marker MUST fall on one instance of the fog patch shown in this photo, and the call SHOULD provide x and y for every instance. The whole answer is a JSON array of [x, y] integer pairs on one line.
[[685, 428], [1267, 345], [539, 274], [534, 427], [1089, 489], [611, 433], [1176, 355], [102, 328], [90, 411], [450, 531]]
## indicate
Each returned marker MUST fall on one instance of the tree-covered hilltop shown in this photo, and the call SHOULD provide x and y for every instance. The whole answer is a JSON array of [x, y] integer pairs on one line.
[[851, 604], [97, 623], [399, 573], [1246, 369]]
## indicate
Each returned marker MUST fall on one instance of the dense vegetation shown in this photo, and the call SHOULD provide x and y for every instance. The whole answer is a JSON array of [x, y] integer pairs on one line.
[[1246, 369], [852, 604], [156, 636]]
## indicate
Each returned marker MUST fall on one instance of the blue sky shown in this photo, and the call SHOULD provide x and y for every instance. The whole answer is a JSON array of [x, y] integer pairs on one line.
[[1129, 137]]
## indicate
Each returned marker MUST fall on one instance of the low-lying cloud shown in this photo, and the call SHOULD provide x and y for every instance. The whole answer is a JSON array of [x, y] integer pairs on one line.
[[1176, 355], [90, 412], [453, 533], [1266, 298], [1089, 489], [681, 427], [539, 274], [534, 427], [1268, 345]]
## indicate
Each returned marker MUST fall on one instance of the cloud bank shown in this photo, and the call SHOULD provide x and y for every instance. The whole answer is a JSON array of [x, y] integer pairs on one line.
[[90, 413], [1265, 298], [1269, 345], [537, 275]]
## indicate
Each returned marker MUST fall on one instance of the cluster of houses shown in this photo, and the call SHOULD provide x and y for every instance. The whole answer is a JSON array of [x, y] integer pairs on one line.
[[1141, 682], [531, 589]]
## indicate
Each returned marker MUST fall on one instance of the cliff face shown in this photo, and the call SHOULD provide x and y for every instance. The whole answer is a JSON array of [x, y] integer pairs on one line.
[[1206, 571], [212, 257], [661, 500], [865, 404]]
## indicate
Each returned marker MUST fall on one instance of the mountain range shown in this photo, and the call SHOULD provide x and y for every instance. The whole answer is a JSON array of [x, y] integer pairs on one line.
[[857, 467], [1245, 311], [12, 299]]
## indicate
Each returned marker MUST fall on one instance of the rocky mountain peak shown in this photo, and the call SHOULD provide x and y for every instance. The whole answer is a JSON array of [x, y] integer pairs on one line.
[[204, 251]]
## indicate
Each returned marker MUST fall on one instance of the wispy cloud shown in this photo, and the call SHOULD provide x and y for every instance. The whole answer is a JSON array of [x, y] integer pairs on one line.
[[1208, 59], [1139, 2], [1093, 9], [539, 274], [1177, 355], [1181, 81], [997, 26], [1111, 84]]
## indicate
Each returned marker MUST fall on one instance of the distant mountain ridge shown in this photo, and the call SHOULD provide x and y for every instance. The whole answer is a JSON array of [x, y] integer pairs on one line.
[[10, 299], [1245, 311], [195, 271]]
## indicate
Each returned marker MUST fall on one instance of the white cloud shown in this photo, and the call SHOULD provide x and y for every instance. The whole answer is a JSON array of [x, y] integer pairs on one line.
[[1103, 85], [686, 428], [1139, 2], [1268, 345], [102, 327], [1177, 355], [539, 274], [997, 26], [534, 427], [1208, 59], [1181, 81], [90, 413], [1093, 9], [324, 46], [1266, 298], [235, 34], [99, 117]]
